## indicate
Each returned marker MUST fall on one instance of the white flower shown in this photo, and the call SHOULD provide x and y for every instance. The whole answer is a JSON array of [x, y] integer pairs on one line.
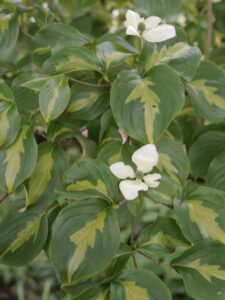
[[148, 28], [145, 158]]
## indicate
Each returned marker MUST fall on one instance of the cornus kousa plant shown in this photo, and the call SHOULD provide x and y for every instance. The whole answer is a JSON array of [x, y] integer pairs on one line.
[[112, 147]]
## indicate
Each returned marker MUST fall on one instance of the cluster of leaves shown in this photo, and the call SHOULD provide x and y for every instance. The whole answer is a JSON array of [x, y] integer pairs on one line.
[[65, 75]]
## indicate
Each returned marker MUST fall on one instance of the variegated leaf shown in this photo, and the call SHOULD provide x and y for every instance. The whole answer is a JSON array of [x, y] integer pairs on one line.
[[18, 161], [164, 236], [9, 30], [143, 101], [173, 165], [70, 59], [23, 234], [138, 284], [47, 175], [9, 123], [87, 103], [92, 179], [202, 268], [207, 91], [54, 97], [82, 230], [201, 213], [183, 58]]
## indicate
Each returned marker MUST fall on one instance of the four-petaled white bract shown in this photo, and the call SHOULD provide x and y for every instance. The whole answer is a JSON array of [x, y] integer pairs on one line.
[[151, 30], [145, 159]]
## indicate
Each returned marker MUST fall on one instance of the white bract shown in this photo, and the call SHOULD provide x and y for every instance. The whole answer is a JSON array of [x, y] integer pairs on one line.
[[149, 28], [145, 158]]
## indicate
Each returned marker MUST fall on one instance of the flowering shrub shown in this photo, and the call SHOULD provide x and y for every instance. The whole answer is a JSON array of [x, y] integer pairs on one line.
[[112, 145]]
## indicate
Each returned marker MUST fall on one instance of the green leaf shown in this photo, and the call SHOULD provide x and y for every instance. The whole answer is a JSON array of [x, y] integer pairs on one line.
[[9, 123], [181, 57], [54, 37], [92, 179], [143, 101], [46, 177], [201, 213], [18, 161], [36, 84], [164, 236], [82, 231], [6, 93], [162, 8], [26, 99], [216, 172], [72, 59], [202, 268], [111, 55], [173, 165], [54, 97], [88, 103], [207, 91], [204, 149], [173, 161], [138, 284], [22, 233], [9, 30]]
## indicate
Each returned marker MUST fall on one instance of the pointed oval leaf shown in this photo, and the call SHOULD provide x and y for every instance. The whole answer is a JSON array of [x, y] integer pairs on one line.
[[85, 232], [207, 91], [9, 30], [139, 284], [22, 233], [164, 236], [204, 149], [47, 175], [9, 124], [173, 165], [18, 161], [6, 93], [87, 103], [201, 213], [92, 179], [163, 8], [72, 59], [54, 97], [183, 58], [216, 172], [143, 101], [202, 268]]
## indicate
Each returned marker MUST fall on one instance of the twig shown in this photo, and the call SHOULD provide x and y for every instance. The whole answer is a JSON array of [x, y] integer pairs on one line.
[[162, 203], [121, 203], [90, 84], [149, 257], [3, 196], [134, 260], [132, 240], [209, 30], [26, 33]]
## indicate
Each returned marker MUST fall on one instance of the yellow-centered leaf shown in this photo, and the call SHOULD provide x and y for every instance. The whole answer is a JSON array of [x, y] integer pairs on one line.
[[83, 102], [205, 218], [13, 159], [207, 271], [150, 104], [4, 126], [209, 93], [165, 163], [84, 238], [31, 229], [84, 185], [134, 292], [40, 178]]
